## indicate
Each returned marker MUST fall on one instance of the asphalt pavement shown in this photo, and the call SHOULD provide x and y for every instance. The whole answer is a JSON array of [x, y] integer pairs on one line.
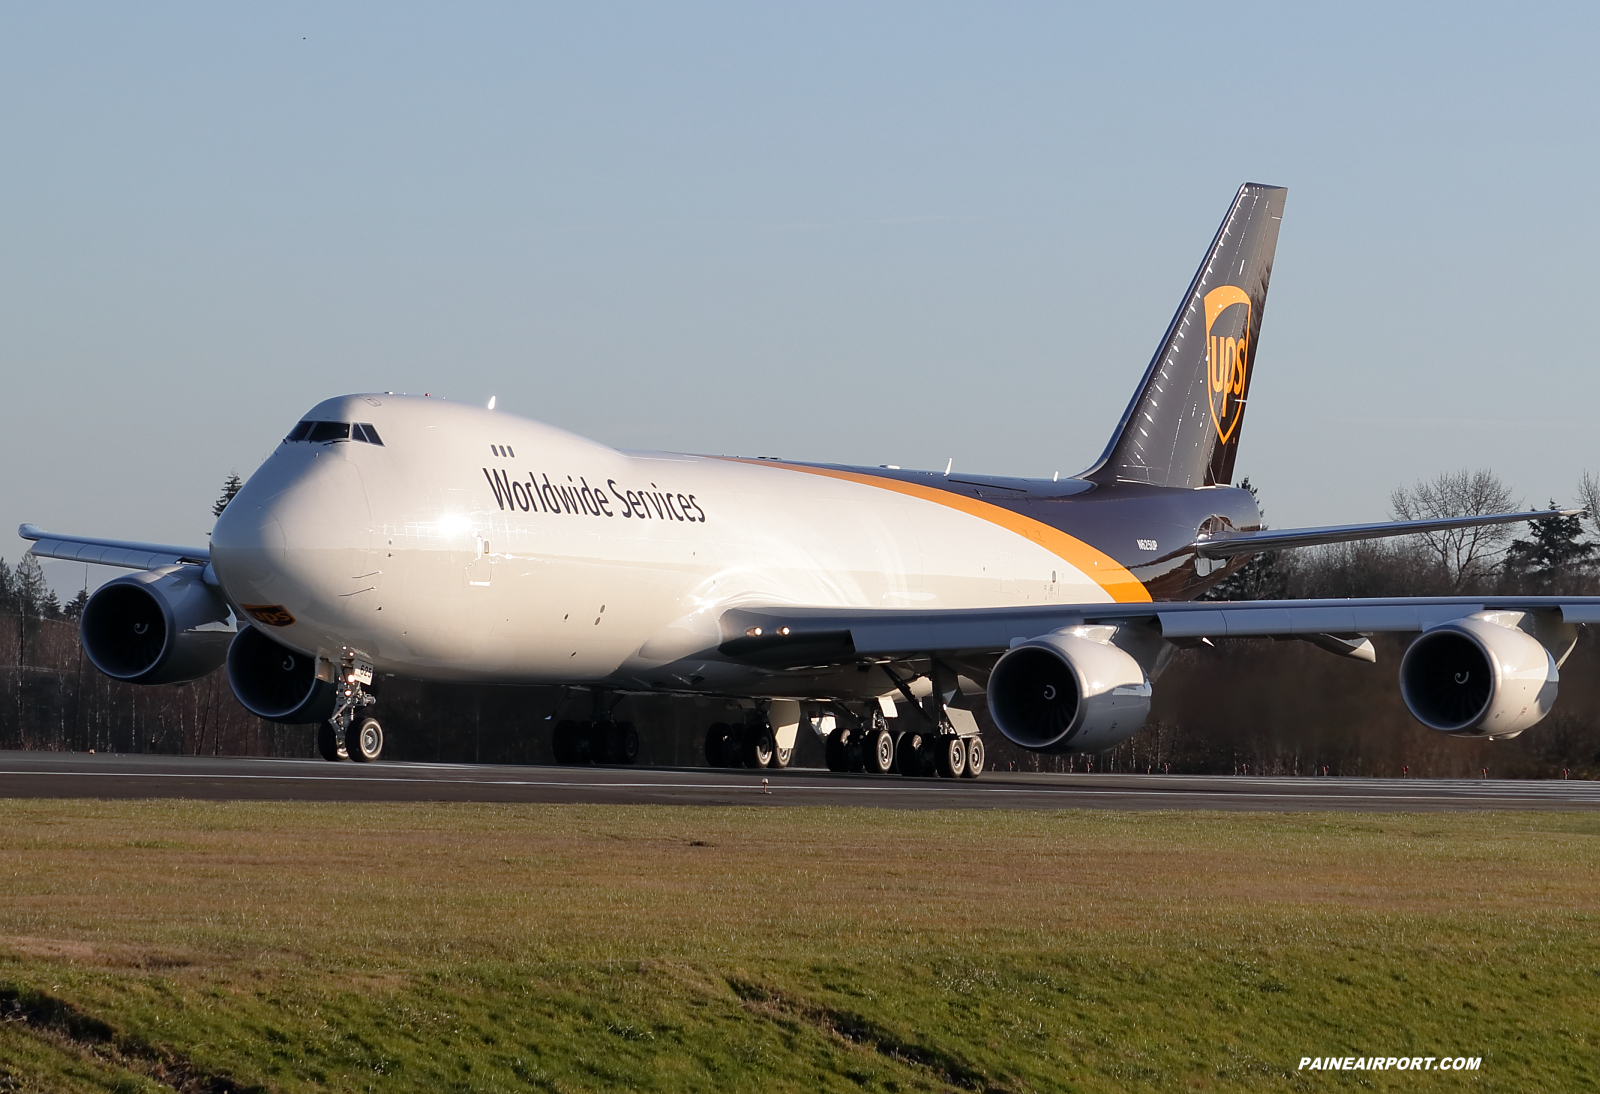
[[81, 775]]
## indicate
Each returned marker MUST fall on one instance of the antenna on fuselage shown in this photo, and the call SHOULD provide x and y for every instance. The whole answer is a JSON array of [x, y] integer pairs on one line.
[[491, 401]]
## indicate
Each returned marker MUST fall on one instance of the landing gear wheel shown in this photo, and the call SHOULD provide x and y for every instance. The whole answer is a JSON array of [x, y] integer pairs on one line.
[[628, 740], [364, 741], [562, 741], [583, 743], [758, 746], [837, 750], [329, 746], [605, 743], [975, 757], [781, 756], [855, 753], [952, 753], [910, 758], [717, 744], [878, 752]]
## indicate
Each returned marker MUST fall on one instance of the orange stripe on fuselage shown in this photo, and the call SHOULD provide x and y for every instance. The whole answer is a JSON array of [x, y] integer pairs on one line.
[[1103, 570]]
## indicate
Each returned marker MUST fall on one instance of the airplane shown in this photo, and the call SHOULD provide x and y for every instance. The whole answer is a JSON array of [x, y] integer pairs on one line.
[[877, 607]]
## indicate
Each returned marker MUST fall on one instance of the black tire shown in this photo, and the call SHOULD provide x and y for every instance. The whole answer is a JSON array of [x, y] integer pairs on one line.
[[561, 741], [781, 756], [854, 753], [835, 750], [758, 746], [328, 744], [717, 744], [952, 757], [910, 758], [877, 752], [975, 758], [605, 743], [583, 743], [628, 736], [364, 741]]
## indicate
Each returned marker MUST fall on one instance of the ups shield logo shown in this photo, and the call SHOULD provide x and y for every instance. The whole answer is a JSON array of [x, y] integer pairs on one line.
[[1227, 356], [273, 615]]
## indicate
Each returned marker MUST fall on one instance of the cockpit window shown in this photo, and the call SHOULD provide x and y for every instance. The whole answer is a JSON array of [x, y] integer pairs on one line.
[[315, 432]]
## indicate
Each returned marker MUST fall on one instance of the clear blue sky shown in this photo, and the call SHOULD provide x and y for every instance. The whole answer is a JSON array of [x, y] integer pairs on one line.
[[875, 233]]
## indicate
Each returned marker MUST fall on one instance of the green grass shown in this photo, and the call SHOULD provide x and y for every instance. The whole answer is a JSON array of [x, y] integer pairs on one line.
[[478, 947]]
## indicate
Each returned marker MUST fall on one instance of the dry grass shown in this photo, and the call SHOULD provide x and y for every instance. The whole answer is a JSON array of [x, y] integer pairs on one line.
[[481, 947]]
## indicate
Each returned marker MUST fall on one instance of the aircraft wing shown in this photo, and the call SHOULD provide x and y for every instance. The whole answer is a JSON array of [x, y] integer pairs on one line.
[[1226, 544], [782, 638], [112, 552]]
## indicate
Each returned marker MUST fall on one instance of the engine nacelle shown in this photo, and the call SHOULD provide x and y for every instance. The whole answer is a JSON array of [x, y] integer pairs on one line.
[[157, 627], [276, 683], [1068, 692], [1477, 678]]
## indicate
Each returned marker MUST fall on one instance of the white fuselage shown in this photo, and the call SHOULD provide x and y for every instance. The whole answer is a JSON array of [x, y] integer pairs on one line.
[[474, 544]]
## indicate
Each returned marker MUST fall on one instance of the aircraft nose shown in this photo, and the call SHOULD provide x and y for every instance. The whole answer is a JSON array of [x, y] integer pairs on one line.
[[291, 535], [247, 550]]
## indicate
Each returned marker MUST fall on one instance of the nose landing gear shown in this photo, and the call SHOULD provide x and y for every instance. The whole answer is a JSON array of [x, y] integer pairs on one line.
[[347, 734]]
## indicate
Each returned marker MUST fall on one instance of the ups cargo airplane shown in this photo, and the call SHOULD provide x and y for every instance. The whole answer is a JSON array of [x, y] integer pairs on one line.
[[878, 607]]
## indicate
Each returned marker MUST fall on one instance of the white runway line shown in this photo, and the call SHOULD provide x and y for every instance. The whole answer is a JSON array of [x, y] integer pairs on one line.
[[1451, 790]]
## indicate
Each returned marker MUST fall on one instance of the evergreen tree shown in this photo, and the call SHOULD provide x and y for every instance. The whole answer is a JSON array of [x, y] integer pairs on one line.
[[1554, 549], [29, 587], [1262, 578], [8, 588], [230, 487], [73, 609]]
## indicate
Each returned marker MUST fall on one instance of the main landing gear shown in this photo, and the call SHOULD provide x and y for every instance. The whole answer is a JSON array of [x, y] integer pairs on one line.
[[751, 744], [599, 740], [349, 734], [933, 748]]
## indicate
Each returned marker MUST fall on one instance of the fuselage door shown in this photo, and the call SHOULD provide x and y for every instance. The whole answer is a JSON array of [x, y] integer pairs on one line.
[[480, 571]]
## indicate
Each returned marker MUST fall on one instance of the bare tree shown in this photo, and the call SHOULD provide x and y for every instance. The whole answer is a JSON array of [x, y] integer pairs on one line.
[[1589, 497], [1466, 555]]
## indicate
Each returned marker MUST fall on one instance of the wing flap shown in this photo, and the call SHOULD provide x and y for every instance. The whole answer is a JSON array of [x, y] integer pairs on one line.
[[1271, 620]]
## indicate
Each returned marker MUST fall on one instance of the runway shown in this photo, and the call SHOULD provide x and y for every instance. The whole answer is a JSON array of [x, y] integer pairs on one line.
[[69, 775]]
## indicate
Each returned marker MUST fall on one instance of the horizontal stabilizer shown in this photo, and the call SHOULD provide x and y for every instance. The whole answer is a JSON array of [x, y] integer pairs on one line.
[[1228, 544], [112, 552]]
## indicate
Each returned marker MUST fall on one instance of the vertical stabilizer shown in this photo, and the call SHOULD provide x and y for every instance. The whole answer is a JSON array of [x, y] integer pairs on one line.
[[1182, 427]]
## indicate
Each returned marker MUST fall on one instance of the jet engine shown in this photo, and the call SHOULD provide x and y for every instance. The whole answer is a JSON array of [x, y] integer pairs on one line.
[[161, 626], [276, 683], [1477, 678], [1069, 691]]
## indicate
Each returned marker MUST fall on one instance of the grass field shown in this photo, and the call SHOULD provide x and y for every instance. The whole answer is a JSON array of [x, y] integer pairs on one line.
[[146, 946]]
